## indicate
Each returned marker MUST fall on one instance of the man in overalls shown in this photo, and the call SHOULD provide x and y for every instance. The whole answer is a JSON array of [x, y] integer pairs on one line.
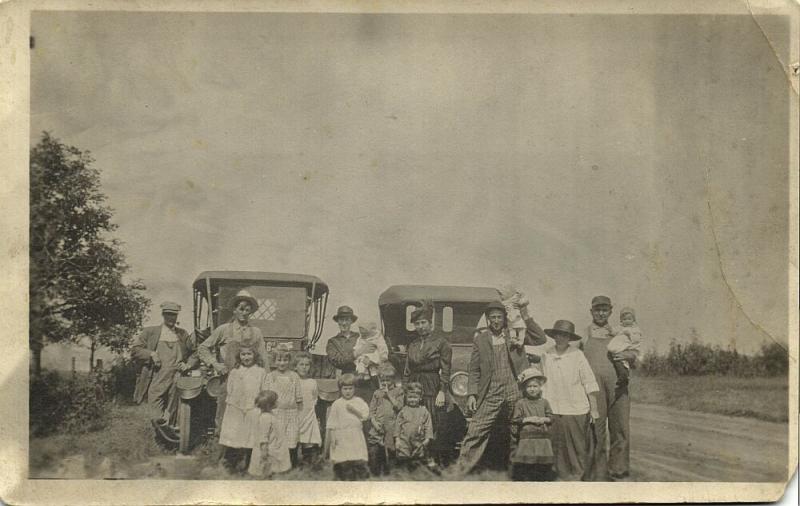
[[497, 359], [164, 350], [614, 404]]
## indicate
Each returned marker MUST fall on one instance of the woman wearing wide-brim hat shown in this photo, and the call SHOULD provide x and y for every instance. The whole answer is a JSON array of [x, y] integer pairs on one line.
[[572, 393]]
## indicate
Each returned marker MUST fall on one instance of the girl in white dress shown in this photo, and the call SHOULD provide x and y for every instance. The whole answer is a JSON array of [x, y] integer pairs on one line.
[[344, 432], [270, 454], [286, 383], [308, 436], [241, 414]]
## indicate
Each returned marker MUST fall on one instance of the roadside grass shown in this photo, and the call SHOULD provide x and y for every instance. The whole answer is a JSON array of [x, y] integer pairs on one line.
[[127, 440], [760, 398], [126, 449]]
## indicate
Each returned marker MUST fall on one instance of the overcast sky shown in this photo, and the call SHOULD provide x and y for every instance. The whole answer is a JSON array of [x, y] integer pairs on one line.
[[570, 155]]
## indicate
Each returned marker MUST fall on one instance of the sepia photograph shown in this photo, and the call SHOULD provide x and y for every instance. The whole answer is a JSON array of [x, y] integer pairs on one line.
[[396, 246]]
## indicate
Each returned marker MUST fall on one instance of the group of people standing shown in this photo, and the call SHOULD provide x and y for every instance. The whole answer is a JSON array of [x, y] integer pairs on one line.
[[563, 408]]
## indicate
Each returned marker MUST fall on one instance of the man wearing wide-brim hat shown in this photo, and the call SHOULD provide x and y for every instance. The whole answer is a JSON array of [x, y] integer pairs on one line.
[[496, 361], [340, 357], [340, 347], [344, 348], [219, 350], [163, 350]]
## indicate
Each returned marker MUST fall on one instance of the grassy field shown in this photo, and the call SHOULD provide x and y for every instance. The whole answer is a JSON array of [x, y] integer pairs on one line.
[[126, 449], [761, 398]]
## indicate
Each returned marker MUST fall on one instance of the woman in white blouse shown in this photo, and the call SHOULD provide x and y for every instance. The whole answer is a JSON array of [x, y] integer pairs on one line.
[[571, 390]]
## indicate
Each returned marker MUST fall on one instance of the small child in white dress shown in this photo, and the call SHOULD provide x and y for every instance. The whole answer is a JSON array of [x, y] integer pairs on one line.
[[241, 415], [270, 454], [627, 338], [344, 432], [308, 434]]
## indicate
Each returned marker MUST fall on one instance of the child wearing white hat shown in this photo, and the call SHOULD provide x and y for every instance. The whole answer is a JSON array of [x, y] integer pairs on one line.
[[532, 454]]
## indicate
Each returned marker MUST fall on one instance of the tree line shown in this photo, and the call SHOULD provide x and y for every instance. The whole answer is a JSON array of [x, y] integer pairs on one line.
[[697, 359]]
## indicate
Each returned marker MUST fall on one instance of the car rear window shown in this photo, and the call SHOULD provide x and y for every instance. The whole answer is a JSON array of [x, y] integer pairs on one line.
[[456, 321]]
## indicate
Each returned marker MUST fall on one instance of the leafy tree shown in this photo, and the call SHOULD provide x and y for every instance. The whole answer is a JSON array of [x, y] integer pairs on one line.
[[77, 286]]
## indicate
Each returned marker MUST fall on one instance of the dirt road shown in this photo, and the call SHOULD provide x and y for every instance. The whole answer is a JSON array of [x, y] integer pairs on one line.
[[674, 445]]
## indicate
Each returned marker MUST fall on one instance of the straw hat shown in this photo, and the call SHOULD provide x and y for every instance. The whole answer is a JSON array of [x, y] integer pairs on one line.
[[534, 371], [244, 295]]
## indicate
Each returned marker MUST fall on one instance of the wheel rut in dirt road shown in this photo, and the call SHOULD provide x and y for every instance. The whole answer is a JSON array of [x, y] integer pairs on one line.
[[675, 445]]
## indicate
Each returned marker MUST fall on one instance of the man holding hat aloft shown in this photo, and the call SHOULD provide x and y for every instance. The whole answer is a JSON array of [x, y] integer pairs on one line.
[[614, 404], [220, 349], [571, 391], [164, 350], [496, 361]]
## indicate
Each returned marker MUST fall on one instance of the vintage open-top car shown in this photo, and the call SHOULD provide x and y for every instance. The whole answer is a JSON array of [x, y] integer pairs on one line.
[[457, 314], [291, 309]]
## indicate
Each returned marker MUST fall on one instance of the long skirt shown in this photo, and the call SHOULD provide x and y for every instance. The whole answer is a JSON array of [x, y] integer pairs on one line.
[[571, 445]]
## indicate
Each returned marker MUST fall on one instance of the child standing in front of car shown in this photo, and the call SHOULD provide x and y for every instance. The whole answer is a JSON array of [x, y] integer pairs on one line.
[[413, 429], [241, 415], [286, 383], [344, 432], [532, 455], [386, 402], [308, 434], [270, 454]]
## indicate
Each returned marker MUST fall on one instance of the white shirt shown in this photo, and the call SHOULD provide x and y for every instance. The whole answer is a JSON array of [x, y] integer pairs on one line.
[[167, 335], [569, 381]]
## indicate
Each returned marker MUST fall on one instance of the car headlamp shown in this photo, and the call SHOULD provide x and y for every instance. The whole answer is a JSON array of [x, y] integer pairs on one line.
[[458, 384]]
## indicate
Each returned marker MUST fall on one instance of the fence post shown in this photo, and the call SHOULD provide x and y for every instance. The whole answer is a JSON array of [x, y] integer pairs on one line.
[[74, 371]]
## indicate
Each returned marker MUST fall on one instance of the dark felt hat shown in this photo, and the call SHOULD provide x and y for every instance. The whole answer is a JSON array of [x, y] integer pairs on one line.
[[565, 328], [495, 304], [345, 311]]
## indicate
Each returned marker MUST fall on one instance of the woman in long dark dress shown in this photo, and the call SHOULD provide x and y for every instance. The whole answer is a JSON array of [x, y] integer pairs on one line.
[[429, 362]]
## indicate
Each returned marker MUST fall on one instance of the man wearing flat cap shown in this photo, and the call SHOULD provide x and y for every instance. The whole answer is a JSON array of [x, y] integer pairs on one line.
[[614, 404], [165, 350], [497, 360]]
